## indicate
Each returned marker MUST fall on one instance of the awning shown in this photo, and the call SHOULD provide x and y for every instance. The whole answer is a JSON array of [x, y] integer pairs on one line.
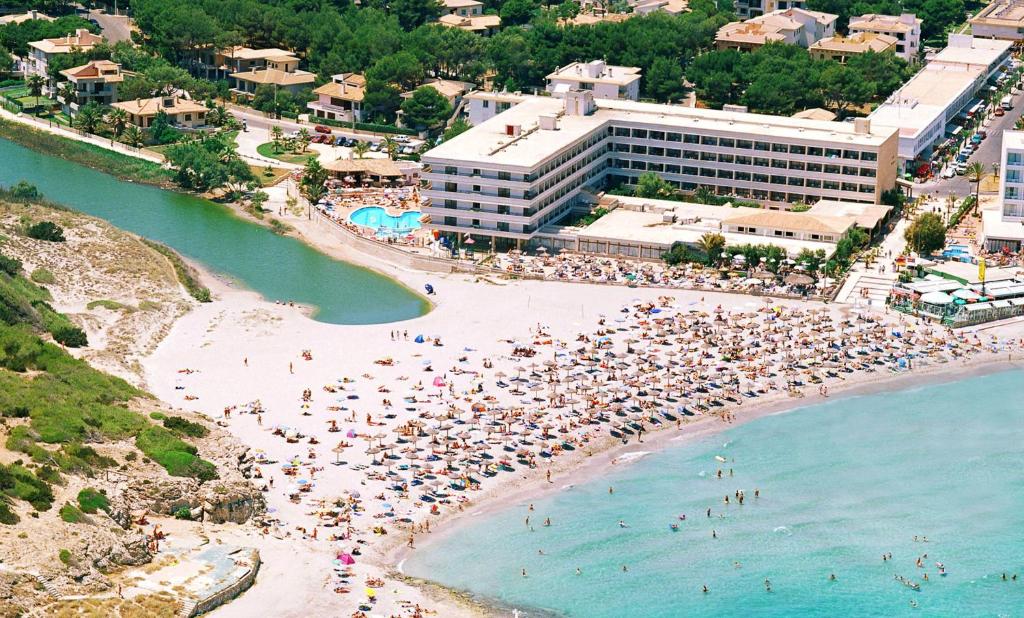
[[936, 298]]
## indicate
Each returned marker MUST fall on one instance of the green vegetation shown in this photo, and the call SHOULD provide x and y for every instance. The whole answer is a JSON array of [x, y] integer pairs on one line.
[[183, 512], [592, 216], [22, 301], [42, 276], [187, 275], [209, 163], [186, 427], [65, 556], [426, 108], [46, 230], [926, 234], [106, 304], [783, 79], [71, 513], [92, 501], [88, 155], [938, 15], [271, 151], [176, 456]]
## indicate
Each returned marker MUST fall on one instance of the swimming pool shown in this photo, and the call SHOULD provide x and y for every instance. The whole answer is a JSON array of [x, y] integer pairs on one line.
[[377, 218]]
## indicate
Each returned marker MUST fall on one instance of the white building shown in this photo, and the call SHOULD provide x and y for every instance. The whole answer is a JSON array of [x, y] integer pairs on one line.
[[1004, 227], [752, 8], [605, 81], [41, 52], [481, 106], [792, 26], [906, 28], [531, 165], [1002, 19], [925, 109]]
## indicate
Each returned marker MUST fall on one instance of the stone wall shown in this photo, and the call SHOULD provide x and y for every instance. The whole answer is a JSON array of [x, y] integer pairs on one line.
[[230, 591]]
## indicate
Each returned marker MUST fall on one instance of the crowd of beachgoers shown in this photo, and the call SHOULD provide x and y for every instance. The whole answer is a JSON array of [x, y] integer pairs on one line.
[[582, 268], [376, 456]]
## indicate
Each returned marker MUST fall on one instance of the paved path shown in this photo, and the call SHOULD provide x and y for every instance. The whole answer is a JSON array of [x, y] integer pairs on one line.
[[56, 129], [115, 28]]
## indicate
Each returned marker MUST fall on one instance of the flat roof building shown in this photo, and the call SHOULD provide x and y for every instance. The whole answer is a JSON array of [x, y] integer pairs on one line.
[[527, 167], [753, 8], [1002, 19], [604, 80], [924, 109], [906, 28], [483, 105], [792, 26], [19, 18], [839, 48]]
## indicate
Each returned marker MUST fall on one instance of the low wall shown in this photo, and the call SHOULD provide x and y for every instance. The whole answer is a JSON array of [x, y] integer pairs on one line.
[[229, 592]]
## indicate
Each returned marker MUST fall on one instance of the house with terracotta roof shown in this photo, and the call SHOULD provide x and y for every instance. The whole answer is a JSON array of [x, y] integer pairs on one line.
[[180, 112], [94, 81], [41, 52], [792, 26], [449, 89], [463, 8], [839, 48], [282, 71], [340, 99], [484, 25], [906, 28], [790, 225]]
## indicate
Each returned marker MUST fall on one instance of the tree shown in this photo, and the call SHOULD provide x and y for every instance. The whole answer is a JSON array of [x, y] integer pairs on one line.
[[218, 115], [975, 172], [811, 259], [69, 92], [117, 118], [517, 12], [276, 136], [413, 13], [403, 69], [35, 87], [46, 230], [161, 131], [302, 139], [133, 136], [313, 185], [459, 126], [360, 149], [926, 234], [390, 146], [664, 81], [712, 245], [381, 100], [258, 199], [677, 254], [89, 117], [843, 87], [652, 186], [426, 108]]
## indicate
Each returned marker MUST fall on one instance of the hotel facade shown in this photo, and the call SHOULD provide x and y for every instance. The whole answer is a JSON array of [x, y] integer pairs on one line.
[[533, 164]]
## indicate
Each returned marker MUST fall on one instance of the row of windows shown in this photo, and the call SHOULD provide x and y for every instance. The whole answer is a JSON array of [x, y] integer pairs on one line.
[[743, 144], [740, 192], [710, 172], [711, 157]]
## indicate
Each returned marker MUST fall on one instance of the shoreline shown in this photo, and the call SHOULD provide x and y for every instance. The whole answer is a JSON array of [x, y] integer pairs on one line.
[[584, 468]]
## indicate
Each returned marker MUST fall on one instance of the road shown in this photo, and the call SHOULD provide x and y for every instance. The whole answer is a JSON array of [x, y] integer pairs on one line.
[[116, 28], [257, 121], [989, 152]]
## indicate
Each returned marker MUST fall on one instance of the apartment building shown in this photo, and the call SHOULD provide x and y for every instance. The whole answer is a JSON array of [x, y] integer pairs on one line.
[[1003, 229], [340, 99], [604, 80], [94, 81], [754, 8], [41, 52], [906, 28], [1002, 19], [927, 108], [792, 26], [840, 48], [481, 105], [529, 166]]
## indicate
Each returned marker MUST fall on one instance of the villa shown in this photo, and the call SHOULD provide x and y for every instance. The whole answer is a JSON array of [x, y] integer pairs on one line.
[[906, 28], [463, 8], [282, 72], [180, 112], [41, 52], [755, 8], [605, 81], [840, 48], [451, 90], [792, 26], [484, 25], [94, 81], [340, 99]]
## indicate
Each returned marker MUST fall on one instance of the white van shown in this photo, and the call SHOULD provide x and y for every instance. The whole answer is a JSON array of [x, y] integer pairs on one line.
[[1007, 102]]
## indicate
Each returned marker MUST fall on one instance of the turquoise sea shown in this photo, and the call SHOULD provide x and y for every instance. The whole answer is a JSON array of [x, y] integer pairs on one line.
[[841, 483]]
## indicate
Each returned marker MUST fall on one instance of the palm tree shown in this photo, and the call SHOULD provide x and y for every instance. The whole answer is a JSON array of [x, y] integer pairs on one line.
[[35, 88], [711, 244], [704, 195], [217, 116], [117, 118], [360, 149], [69, 92], [975, 172], [133, 136], [390, 146], [89, 117], [313, 184], [276, 133], [302, 139]]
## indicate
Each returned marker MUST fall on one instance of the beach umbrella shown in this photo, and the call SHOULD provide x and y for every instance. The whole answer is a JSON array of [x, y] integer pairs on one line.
[[346, 558]]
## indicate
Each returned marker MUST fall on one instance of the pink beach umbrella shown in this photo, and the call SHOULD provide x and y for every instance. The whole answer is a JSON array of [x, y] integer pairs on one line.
[[346, 558], [439, 382]]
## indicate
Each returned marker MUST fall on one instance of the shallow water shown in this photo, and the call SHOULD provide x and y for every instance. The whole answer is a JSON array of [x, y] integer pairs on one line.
[[277, 267], [841, 483]]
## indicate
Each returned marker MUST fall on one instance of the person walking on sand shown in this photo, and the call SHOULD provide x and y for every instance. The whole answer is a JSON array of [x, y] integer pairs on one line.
[[291, 368]]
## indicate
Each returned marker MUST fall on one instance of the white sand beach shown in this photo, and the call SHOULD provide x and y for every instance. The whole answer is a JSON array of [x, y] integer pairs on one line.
[[241, 349]]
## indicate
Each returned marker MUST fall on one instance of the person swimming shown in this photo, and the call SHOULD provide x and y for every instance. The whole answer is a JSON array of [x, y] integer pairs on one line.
[[623, 524]]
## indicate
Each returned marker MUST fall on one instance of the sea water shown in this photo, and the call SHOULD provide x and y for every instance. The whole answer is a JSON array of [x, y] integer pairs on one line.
[[841, 483]]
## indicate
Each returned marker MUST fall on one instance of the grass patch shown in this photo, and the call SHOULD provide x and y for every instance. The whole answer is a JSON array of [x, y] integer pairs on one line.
[[117, 164], [42, 276], [175, 455], [277, 227], [269, 176], [111, 305], [92, 501], [71, 514], [187, 275], [267, 150], [148, 305], [65, 556], [185, 427]]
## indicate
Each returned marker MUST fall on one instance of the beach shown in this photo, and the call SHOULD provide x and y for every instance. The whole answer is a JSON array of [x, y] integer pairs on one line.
[[241, 349]]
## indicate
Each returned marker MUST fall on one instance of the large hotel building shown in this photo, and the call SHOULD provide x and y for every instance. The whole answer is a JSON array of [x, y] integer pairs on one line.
[[526, 167]]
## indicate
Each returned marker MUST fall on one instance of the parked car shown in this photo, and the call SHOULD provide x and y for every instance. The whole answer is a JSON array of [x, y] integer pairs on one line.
[[960, 169], [375, 147], [339, 141], [408, 150], [948, 172], [1000, 111], [983, 133], [322, 129]]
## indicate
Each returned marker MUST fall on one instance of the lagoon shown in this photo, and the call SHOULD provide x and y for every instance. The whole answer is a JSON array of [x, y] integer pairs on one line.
[[841, 484], [277, 267]]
